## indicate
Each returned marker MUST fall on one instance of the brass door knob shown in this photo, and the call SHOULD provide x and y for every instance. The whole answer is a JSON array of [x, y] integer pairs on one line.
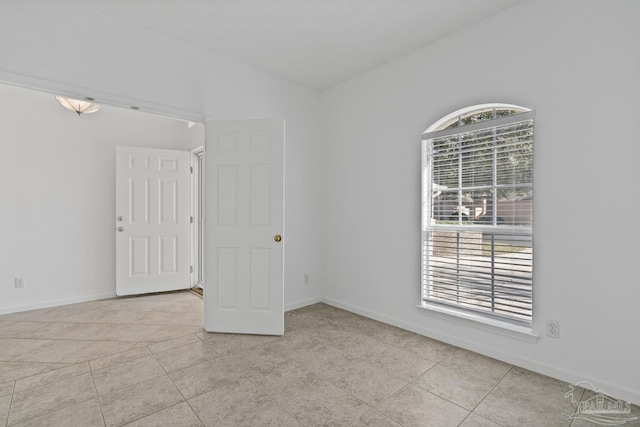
[[277, 237]]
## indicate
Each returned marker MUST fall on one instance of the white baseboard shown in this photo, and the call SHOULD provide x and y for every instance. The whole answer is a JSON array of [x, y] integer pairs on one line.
[[303, 303], [54, 303], [571, 377], [66, 301]]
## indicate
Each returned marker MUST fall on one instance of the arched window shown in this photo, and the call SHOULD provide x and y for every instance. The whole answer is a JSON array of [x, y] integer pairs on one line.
[[477, 198]]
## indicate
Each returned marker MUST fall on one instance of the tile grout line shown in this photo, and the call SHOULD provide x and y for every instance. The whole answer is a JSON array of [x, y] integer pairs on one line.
[[149, 379], [151, 353], [177, 388], [584, 390], [472, 411], [535, 399], [287, 412], [6, 422], [51, 411], [95, 390], [411, 383], [218, 355]]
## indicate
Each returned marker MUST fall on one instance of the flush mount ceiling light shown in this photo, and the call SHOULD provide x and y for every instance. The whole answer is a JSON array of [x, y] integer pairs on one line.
[[78, 106]]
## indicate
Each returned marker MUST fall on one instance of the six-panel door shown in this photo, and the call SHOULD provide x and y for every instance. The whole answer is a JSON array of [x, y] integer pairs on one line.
[[152, 220], [244, 266]]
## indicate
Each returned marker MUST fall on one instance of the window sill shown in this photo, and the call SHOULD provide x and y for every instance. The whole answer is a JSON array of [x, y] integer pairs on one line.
[[490, 325]]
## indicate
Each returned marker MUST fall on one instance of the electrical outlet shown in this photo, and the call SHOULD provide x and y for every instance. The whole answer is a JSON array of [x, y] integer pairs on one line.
[[18, 282], [306, 278], [553, 328]]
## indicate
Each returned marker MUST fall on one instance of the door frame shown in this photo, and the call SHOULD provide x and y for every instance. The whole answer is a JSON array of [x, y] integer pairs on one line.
[[197, 213]]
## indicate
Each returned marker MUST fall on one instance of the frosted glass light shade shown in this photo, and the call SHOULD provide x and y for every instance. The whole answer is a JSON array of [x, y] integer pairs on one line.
[[78, 106]]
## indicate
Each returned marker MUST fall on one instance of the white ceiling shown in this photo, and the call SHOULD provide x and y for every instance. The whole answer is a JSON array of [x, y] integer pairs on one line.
[[319, 43]]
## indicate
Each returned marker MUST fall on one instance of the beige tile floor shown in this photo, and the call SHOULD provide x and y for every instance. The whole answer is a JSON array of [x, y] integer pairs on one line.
[[146, 361]]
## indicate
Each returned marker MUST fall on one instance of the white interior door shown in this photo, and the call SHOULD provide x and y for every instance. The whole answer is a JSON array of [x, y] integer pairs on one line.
[[244, 249], [152, 220]]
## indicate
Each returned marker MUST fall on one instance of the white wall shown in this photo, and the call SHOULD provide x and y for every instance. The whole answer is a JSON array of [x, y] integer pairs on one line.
[[577, 64], [57, 180], [60, 47]]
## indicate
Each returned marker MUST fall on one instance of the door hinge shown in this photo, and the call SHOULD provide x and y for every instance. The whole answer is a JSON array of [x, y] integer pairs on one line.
[[191, 168], [191, 220], [191, 269]]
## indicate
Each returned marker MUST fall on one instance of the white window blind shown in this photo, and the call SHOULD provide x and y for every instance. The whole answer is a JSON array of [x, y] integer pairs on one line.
[[477, 251]]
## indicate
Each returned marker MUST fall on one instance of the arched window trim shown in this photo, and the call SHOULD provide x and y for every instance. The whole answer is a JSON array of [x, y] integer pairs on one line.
[[447, 120]]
